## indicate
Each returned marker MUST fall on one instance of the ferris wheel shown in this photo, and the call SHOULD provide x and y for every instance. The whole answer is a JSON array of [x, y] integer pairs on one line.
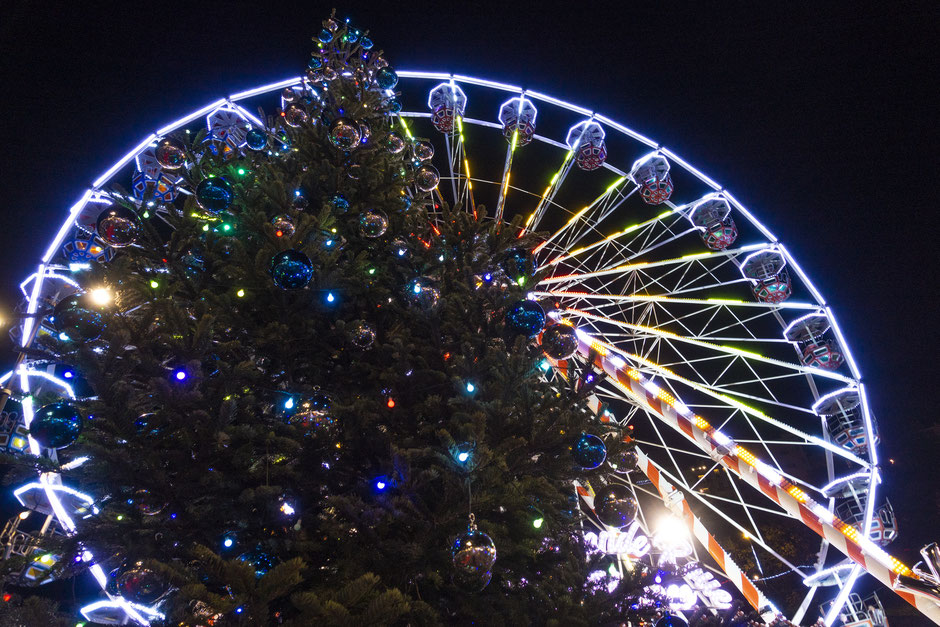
[[707, 338]]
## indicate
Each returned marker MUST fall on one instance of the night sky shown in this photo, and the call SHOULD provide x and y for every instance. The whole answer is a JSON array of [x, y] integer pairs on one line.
[[820, 117]]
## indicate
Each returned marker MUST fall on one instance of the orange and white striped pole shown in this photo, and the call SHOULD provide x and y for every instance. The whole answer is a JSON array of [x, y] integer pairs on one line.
[[746, 466]]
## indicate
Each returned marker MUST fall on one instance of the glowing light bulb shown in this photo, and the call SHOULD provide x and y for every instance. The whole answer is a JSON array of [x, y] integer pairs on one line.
[[180, 375], [537, 523], [462, 457], [471, 388], [100, 296], [330, 298], [227, 543], [240, 293], [289, 404], [154, 284]]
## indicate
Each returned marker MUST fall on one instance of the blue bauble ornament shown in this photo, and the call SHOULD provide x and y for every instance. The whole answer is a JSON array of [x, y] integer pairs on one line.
[[386, 78], [672, 621], [516, 264], [589, 451], [394, 106], [366, 43], [526, 317], [256, 139], [315, 62], [56, 425], [291, 269], [615, 506], [74, 318], [260, 560], [214, 194], [325, 36], [339, 203]]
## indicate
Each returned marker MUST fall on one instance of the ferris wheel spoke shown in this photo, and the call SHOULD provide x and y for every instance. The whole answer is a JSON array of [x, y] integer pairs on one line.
[[668, 265], [623, 248], [717, 348], [548, 196], [588, 222], [728, 402], [453, 156], [742, 505]]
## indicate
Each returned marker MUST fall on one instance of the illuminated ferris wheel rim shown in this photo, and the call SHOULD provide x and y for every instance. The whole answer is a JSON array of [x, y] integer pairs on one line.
[[854, 382]]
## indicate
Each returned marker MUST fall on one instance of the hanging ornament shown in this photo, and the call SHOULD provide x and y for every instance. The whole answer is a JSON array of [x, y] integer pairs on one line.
[[332, 25], [214, 194], [193, 263], [118, 226], [373, 223], [394, 106], [672, 621], [56, 425], [516, 264], [339, 203], [170, 153], [362, 335], [295, 114], [283, 226], [423, 292], [315, 62], [291, 269], [423, 150], [589, 451], [366, 43], [345, 134], [325, 36], [365, 131], [299, 202], [147, 504], [427, 177], [314, 413], [386, 78], [623, 461], [73, 318], [559, 341], [288, 95], [256, 139], [525, 317], [474, 554], [259, 560], [394, 142], [615, 506], [140, 584], [354, 171]]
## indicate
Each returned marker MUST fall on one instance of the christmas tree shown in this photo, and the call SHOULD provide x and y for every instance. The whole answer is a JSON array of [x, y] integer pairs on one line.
[[315, 389]]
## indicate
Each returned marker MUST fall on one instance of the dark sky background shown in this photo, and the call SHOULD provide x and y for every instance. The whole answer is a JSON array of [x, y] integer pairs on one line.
[[821, 117]]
